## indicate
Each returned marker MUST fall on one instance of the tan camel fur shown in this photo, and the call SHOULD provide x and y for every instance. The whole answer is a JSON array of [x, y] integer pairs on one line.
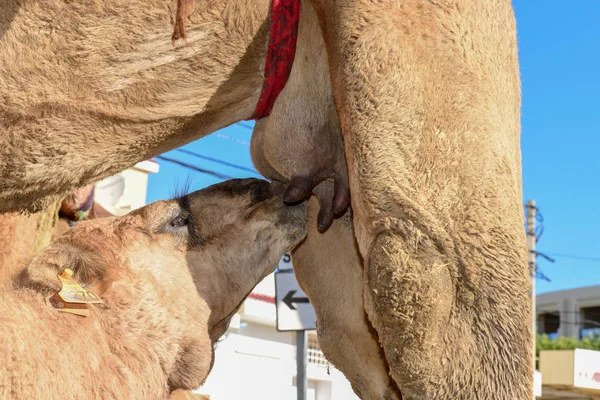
[[17, 242], [90, 88], [170, 275], [428, 98], [22, 235], [302, 138], [301, 141], [432, 143], [345, 334]]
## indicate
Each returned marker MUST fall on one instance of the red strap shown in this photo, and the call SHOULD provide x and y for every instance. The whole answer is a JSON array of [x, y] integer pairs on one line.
[[283, 34]]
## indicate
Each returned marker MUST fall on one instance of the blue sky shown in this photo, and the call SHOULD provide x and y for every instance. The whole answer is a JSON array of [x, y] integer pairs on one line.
[[231, 145], [559, 49], [559, 45]]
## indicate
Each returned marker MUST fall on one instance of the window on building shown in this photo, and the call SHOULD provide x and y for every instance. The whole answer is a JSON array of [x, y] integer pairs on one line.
[[590, 321], [548, 323], [315, 355]]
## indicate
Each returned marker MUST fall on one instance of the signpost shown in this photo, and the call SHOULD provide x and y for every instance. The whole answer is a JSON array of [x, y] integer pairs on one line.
[[294, 313]]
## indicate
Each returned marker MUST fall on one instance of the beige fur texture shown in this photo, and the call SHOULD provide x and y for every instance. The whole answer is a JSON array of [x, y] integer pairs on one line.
[[170, 275], [428, 98], [303, 138], [89, 88], [17, 237], [21, 236], [301, 141]]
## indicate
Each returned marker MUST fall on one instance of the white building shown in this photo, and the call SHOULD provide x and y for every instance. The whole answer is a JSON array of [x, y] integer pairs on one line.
[[574, 312], [125, 191], [255, 361]]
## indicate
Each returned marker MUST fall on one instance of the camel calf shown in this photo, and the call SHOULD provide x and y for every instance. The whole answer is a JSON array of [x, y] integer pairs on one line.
[[169, 276]]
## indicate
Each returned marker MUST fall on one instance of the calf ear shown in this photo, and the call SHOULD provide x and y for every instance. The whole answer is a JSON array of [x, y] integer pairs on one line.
[[88, 269], [193, 364]]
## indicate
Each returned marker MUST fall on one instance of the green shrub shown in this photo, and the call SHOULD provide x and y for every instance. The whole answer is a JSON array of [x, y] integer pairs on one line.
[[542, 342]]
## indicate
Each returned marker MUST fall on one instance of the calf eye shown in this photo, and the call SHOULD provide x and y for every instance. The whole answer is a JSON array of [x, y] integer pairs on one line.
[[181, 220]]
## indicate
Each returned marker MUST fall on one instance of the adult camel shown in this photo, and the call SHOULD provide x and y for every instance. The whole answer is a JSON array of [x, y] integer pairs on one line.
[[427, 95]]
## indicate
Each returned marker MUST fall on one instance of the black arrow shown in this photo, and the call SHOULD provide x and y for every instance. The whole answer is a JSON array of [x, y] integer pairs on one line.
[[289, 299]]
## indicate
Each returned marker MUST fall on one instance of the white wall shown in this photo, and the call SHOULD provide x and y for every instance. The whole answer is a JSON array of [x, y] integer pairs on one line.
[[126, 191], [248, 368]]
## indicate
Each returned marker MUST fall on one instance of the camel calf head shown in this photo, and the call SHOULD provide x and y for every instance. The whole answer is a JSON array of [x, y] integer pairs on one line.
[[170, 276]]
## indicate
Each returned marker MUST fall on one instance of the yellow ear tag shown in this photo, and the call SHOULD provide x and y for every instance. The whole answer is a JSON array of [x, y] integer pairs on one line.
[[71, 292], [72, 298]]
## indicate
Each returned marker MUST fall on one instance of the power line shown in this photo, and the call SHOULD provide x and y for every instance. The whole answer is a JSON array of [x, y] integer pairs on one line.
[[539, 230], [245, 125], [197, 155], [539, 218], [234, 140], [585, 309], [195, 168], [548, 258], [575, 257]]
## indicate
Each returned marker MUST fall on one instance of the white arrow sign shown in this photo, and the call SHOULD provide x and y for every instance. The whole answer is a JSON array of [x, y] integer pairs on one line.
[[294, 311]]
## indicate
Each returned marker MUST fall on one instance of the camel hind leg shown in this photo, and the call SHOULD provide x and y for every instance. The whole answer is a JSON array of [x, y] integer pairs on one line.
[[329, 270]]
